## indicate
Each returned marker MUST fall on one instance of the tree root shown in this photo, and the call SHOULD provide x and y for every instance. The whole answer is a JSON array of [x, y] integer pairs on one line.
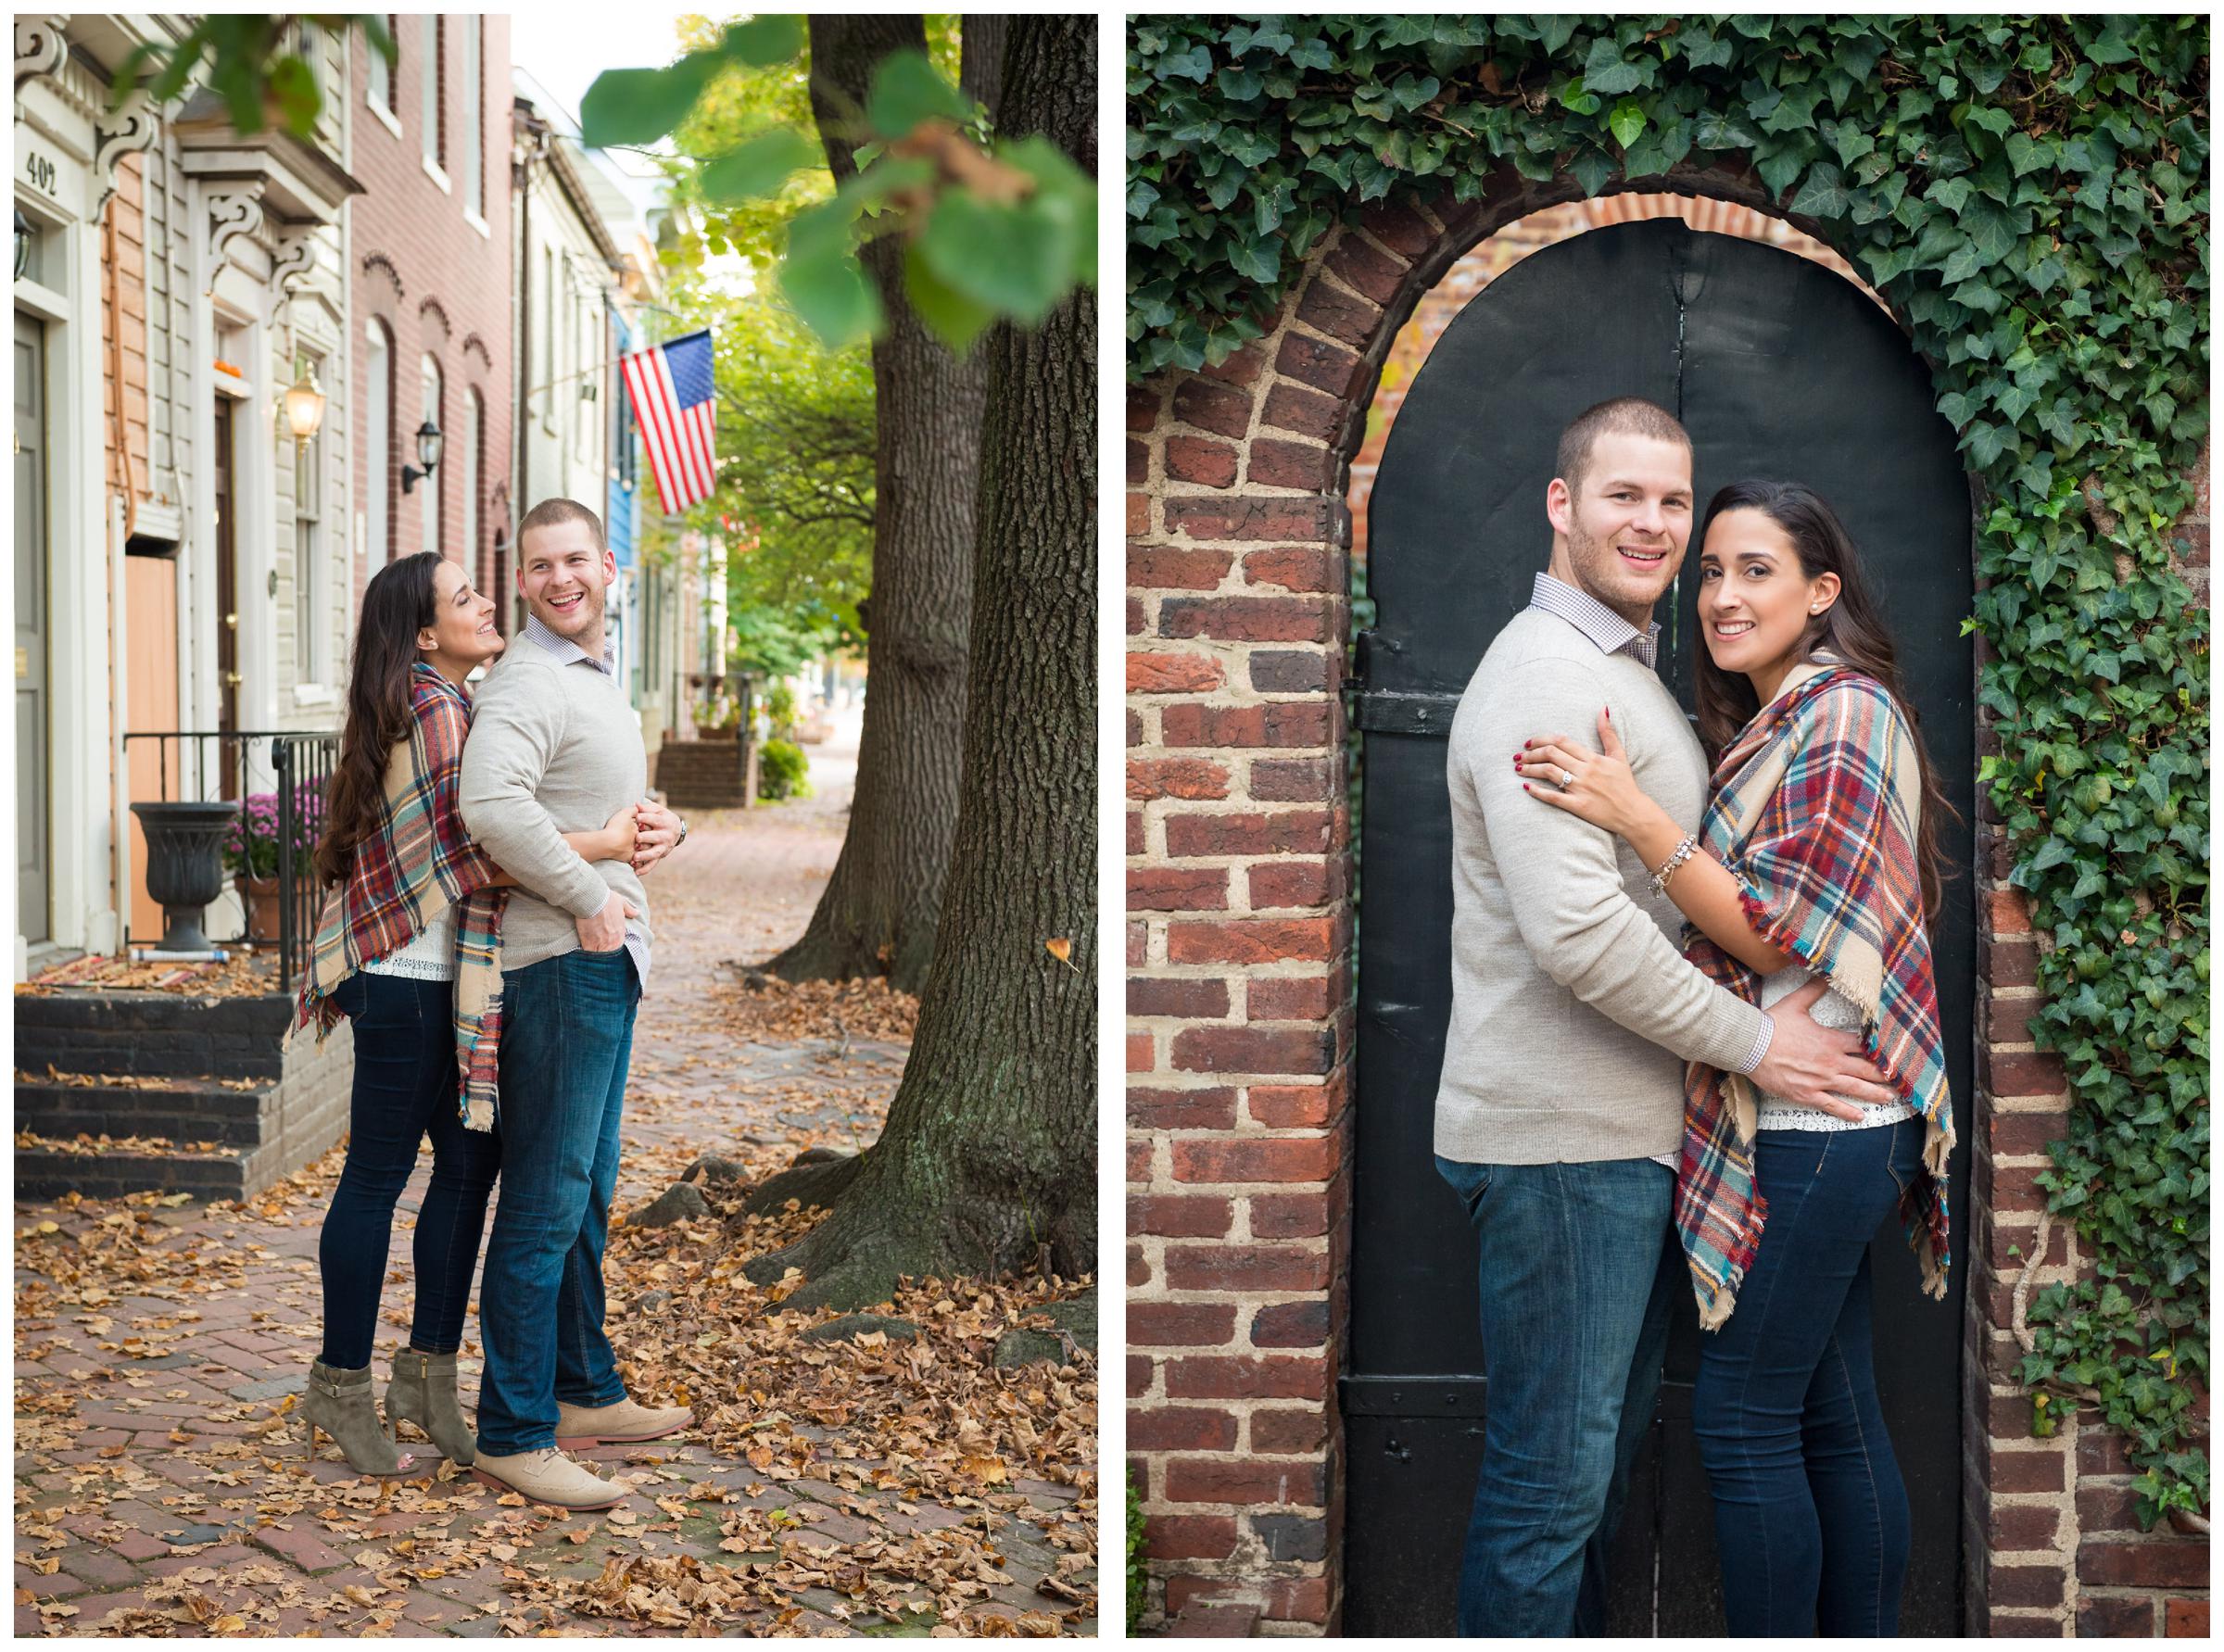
[[901, 958], [842, 1269], [821, 1184]]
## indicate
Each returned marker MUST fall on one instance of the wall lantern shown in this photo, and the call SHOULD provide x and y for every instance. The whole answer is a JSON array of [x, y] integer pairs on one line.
[[305, 406], [23, 238], [428, 456]]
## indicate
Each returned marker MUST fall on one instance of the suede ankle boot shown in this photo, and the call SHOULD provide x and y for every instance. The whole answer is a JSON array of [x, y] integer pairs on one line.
[[339, 1403], [422, 1391]]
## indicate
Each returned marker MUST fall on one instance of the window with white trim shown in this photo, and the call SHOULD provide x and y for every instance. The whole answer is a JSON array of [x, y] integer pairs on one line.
[[378, 445], [436, 139], [471, 159], [475, 425], [380, 89]]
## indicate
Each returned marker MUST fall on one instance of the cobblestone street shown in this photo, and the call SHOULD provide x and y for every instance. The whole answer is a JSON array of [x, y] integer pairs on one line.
[[160, 1344]]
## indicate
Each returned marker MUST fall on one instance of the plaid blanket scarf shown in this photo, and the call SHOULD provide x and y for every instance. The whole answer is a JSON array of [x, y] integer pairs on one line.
[[416, 864], [1814, 809]]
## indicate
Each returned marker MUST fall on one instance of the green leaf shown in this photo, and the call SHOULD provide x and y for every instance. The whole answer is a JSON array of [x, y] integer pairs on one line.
[[1255, 260], [820, 278], [1626, 122], [1990, 117], [1781, 167], [758, 167], [1949, 193], [1591, 169], [1195, 64], [639, 105], [1411, 91], [1823, 195], [953, 317], [1991, 228], [1239, 85], [907, 90], [1607, 74], [764, 42], [2027, 154], [1015, 260]]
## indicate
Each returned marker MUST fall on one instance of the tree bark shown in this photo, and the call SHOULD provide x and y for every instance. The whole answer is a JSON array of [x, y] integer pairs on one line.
[[988, 1162], [878, 912]]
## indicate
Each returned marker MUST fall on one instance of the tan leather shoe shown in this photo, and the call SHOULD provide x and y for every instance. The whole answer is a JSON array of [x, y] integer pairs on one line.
[[547, 1476], [579, 1426]]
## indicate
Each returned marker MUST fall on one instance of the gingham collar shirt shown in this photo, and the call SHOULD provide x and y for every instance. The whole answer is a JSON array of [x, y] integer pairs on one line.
[[565, 649], [1613, 634]]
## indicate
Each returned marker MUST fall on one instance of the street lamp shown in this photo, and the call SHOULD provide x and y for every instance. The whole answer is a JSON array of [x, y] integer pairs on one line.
[[428, 454], [305, 406]]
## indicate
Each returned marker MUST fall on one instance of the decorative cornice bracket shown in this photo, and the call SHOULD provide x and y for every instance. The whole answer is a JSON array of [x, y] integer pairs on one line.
[[134, 130], [231, 215], [296, 258], [40, 46]]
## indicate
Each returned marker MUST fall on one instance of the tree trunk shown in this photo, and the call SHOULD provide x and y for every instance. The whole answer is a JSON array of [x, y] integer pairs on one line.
[[989, 1160], [879, 914], [982, 39]]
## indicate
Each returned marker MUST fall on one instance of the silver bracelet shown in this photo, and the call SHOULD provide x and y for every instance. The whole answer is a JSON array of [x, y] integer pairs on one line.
[[683, 835], [1684, 851]]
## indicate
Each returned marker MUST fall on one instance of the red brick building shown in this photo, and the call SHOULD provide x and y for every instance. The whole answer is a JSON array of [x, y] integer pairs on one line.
[[1247, 495], [429, 259]]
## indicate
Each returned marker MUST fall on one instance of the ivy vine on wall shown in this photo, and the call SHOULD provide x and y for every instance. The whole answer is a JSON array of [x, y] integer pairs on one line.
[[2031, 198]]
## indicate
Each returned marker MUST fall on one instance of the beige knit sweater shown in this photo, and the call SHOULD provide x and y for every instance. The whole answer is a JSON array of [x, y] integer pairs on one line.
[[553, 748], [1572, 1008]]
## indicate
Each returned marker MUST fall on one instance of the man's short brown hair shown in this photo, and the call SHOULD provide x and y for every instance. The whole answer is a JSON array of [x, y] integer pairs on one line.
[[1623, 415], [550, 513]]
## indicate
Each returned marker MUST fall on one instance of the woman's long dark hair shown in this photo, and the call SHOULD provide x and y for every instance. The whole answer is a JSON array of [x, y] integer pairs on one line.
[[1849, 629], [398, 603]]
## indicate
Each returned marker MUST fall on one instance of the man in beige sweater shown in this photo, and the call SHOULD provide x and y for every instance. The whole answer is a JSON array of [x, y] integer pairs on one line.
[[553, 742], [1560, 1111]]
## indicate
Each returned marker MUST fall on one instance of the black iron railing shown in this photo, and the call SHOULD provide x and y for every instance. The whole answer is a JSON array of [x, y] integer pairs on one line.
[[281, 781]]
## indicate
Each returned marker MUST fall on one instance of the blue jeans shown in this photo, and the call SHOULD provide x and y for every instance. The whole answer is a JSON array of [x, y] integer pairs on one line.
[[405, 1087], [567, 1033], [1578, 1267], [1810, 1512]]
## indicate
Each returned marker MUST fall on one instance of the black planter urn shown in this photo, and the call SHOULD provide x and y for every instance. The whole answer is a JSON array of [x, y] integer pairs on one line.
[[185, 865]]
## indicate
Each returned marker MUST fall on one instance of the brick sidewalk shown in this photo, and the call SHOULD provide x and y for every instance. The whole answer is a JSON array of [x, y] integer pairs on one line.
[[160, 1485]]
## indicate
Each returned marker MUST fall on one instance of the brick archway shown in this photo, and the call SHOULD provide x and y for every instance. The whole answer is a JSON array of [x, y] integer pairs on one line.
[[1239, 1030]]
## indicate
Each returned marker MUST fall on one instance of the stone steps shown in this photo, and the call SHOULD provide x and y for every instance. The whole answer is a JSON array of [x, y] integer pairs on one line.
[[47, 1173], [187, 1130], [128, 1032], [701, 774], [185, 1110]]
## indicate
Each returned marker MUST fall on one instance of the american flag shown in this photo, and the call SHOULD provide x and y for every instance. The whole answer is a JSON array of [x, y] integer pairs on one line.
[[670, 384]]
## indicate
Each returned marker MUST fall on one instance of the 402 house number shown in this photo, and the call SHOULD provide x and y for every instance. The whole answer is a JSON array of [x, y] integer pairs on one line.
[[39, 170]]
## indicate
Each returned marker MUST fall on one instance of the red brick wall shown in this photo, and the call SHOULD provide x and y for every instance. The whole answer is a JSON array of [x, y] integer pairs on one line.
[[454, 285], [1240, 527]]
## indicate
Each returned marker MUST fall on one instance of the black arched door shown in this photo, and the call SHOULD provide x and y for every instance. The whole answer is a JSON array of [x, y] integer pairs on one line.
[[1778, 367]]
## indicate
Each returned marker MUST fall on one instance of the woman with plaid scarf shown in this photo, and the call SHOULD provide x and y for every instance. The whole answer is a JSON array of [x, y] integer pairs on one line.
[[1818, 863], [408, 948]]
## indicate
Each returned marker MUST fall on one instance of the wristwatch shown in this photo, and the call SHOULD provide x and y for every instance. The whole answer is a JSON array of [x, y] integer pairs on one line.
[[683, 835]]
